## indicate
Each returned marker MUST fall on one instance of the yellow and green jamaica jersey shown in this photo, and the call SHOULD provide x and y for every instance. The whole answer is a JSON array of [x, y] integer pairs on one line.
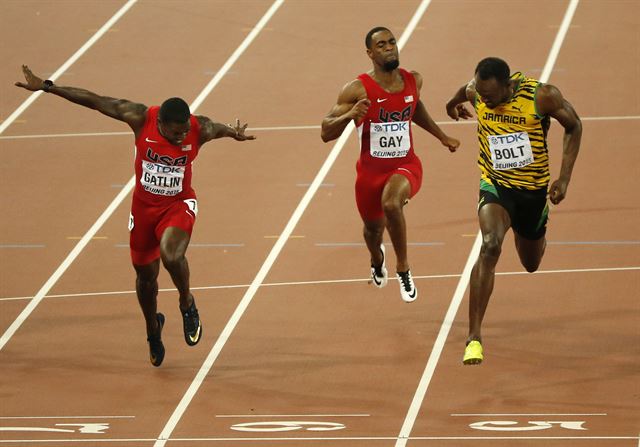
[[513, 139]]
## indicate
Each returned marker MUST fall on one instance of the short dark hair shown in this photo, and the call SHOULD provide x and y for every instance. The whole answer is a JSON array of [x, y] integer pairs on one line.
[[493, 67], [174, 110], [369, 38]]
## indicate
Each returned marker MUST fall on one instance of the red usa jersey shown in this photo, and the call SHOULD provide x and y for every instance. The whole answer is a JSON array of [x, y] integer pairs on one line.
[[163, 170], [386, 141]]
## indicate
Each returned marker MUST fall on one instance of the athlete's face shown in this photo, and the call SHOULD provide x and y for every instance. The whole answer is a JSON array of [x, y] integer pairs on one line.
[[492, 92], [175, 133], [384, 50]]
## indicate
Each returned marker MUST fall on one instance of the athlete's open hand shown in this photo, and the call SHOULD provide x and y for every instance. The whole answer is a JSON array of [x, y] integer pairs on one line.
[[359, 109], [459, 111], [34, 83], [238, 132], [450, 143], [558, 191]]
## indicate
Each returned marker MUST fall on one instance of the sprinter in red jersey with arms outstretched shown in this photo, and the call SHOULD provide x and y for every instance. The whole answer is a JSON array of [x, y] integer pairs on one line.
[[383, 103], [164, 206]]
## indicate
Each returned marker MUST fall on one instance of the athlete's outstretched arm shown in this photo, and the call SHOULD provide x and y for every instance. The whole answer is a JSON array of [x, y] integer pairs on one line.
[[210, 130], [550, 102], [455, 106], [352, 104], [133, 114]]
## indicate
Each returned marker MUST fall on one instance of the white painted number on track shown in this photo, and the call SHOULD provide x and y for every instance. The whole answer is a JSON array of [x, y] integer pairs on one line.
[[287, 426], [533, 425]]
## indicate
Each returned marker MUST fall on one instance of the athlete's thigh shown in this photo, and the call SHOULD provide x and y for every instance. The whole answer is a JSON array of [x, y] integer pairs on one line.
[[412, 170], [530, 227], [529, 248], [494, 222], [532, 210], [397, 188], [174, 242], [368, 190], [175, 228], [143, 243]]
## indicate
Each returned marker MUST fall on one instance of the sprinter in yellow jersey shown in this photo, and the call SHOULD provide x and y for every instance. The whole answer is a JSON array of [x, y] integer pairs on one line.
[[513, 119]]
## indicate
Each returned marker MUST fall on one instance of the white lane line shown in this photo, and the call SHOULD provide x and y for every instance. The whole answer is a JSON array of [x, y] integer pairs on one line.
[[66, 417], [610, 118], [557, 43], [438, 346], [291, 415], [244, 303], [66, 135], [593, 242], [83, 49], [190, 441], [527, 414], [271, 258], [327, 281], [362, 244], [277, 128]]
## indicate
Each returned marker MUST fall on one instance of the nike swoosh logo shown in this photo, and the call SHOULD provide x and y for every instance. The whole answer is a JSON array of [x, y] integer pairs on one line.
[[381, 100], [196, 336], [413, 295], [149, 141]]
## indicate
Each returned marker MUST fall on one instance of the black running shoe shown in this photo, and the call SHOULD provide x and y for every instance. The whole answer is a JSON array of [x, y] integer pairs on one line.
[[156, 348], [191, 324], [379, 275]]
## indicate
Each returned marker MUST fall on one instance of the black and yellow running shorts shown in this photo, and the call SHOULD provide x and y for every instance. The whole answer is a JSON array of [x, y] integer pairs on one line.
[[528, 209]]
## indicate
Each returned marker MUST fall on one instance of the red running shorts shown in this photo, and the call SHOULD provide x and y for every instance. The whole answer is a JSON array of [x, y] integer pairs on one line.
[[148, 223], [370, 184]]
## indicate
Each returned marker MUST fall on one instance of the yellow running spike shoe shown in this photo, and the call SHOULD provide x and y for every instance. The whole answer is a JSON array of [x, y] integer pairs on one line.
[[473, 353]]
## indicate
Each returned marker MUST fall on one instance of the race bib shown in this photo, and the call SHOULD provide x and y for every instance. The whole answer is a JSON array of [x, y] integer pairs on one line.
[[510, 151], [389, 140], [161, 179]]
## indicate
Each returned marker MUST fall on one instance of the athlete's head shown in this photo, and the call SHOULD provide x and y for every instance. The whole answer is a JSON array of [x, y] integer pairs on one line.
[[382, 48], [173, 120], [493, 84]]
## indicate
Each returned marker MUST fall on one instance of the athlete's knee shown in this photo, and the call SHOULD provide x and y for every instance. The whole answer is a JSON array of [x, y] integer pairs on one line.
[[370, 231], [391, 206], [172, 259], [491, 246], [147, 275], [531, 264], [531, 254]]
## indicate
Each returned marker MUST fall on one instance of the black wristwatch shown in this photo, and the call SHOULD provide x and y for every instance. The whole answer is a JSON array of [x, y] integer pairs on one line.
[[47, 85]]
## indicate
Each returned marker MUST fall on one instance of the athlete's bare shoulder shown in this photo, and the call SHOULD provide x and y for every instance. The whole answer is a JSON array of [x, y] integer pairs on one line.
[[548, 99], [418, 77], [352, 92]]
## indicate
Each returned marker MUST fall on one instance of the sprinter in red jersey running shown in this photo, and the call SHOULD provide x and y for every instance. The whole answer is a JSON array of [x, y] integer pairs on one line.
[[383, 103], [164, 207]]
